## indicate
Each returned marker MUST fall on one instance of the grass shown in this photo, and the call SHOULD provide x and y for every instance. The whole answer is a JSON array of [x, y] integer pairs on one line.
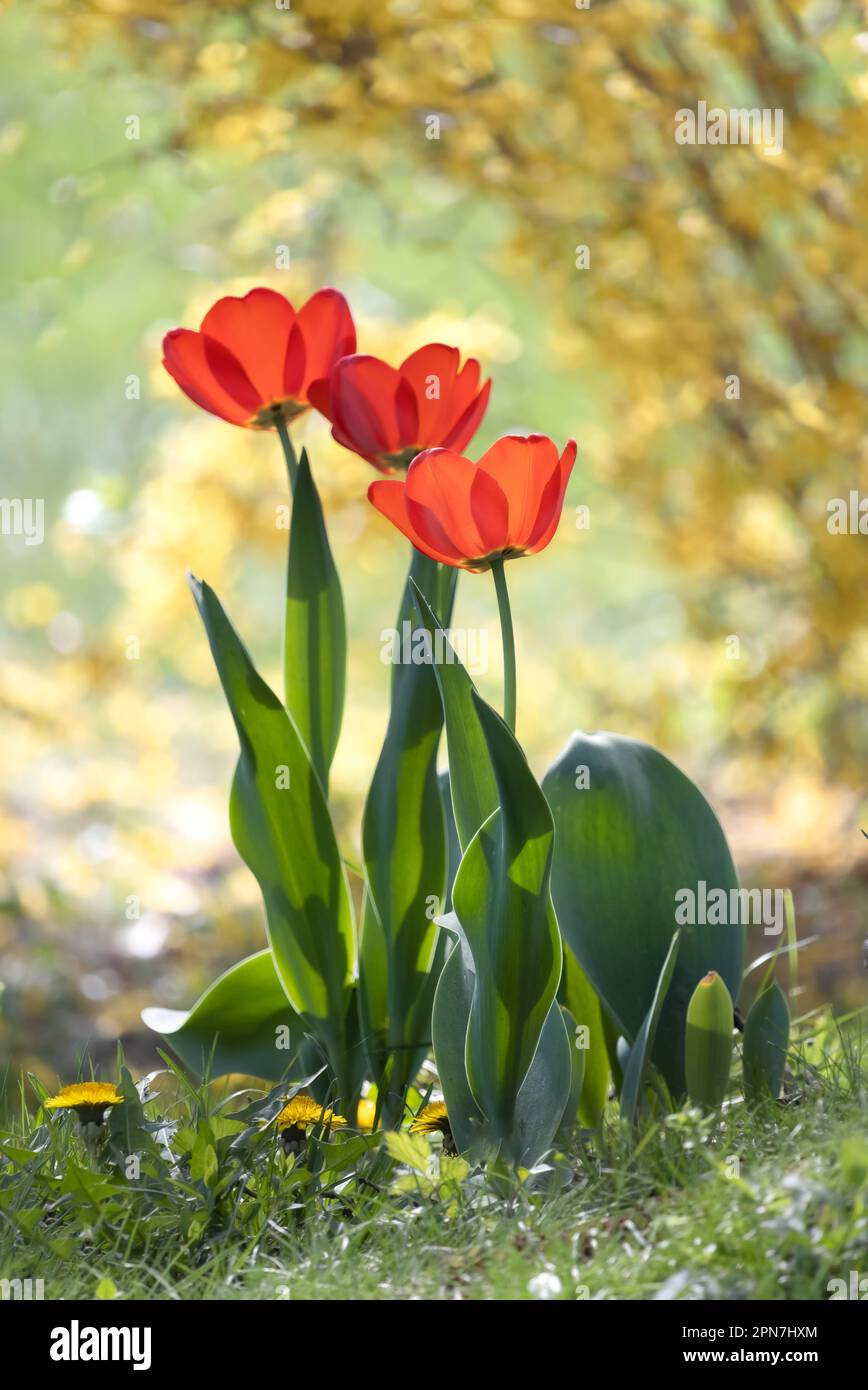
[[770, 1203]]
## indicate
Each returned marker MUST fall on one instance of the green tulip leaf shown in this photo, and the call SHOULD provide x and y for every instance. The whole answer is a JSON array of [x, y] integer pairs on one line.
[[612, 1036], [405, 852], [453, 1000], [502, 898], [282, 829], [636, 1070], [472, 781], [589, 1029], [578, 1063], [242, 1023], [315, 634], [632, 832], [552, 1083], [452, 845]]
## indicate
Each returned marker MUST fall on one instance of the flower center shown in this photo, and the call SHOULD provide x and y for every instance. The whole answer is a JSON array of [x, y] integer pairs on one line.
[[484, 562], [268, 416], [403, 458]]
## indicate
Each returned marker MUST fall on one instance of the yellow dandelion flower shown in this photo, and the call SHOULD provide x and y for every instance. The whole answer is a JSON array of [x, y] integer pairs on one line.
[[84, 1095], [300, 1115], [366, 1113], [433, 1119], [303, 1111], [90, 1100]]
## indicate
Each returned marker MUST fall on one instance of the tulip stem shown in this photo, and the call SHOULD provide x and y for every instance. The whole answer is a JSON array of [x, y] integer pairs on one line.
[[508, 640], [289, 451]]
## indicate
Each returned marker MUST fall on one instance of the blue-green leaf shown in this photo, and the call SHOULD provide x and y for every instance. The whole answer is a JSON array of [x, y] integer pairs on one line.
[[553, 1079], [453, 1001], [578, 1057], [546, 1092], [632, 833]]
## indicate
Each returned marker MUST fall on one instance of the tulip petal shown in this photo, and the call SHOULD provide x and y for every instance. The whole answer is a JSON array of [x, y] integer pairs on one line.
[[294, 363], [430, 373], [490, 508], [340, 438], [439, 488], [185, 360], [319, 395], [256, 329], [387, 415], [552, 501], [407, 413], [329, 333], [231, 375], [465, 388], [466, 425], [362, 404], [390, 499], [523, 466]]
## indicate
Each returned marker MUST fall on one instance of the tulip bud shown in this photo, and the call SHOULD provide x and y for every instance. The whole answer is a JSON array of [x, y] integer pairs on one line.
[[708, 1042], [766, 1039]]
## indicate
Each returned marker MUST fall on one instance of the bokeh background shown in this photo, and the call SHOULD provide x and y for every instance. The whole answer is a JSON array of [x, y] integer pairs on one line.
[[260, 129]]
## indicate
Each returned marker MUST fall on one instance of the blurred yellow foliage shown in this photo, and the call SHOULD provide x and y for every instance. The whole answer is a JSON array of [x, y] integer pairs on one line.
[[703, 266]]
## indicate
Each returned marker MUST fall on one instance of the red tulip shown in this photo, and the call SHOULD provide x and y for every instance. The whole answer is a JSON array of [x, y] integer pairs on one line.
[[389, 415], [254, 360], [472, 514]]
